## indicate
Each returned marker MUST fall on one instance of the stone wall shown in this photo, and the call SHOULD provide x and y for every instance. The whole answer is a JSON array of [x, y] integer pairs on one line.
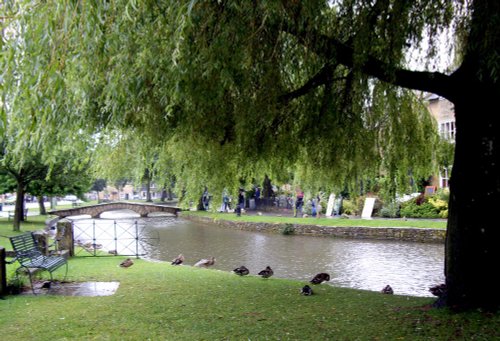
[[423, 235]]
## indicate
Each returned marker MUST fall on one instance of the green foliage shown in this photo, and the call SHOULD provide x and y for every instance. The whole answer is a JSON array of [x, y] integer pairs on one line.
[[288, 229], [15, 285], [350, 207], [229, 91], [425, 207], [98, 185], [390, 210], [7, 183]]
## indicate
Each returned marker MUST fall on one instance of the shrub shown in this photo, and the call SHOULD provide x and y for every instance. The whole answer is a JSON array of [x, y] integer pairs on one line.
[[425, 207], [349, 207], [288, 229], [424, 210], [15, 285], [390, 211]]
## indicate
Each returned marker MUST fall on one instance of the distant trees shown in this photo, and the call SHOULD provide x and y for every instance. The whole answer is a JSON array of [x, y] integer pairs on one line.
[[39, 179]]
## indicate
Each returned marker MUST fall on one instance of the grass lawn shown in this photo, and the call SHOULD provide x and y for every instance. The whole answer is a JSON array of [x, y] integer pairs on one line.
[[420, 223], [157, 301], [33, 223]]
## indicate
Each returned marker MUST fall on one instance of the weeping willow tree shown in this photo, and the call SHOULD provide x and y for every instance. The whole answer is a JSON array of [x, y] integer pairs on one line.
[[238, 88], [126, 154]]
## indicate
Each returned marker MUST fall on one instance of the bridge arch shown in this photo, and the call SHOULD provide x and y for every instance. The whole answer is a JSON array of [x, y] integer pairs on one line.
[[95, 210]]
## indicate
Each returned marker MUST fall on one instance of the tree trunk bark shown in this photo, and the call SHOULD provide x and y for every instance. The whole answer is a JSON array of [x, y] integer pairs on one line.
[[472, 250], [148, 190], [19, 209], [41, 205]]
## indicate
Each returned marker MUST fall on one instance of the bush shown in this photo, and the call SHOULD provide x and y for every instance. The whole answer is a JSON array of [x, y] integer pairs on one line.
[[288, 229], [424, 210], [349, 207], [15, 285], [390, 211], [425, 207]]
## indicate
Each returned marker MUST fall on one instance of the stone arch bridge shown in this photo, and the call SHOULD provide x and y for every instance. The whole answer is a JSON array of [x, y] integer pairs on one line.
[[95, 210]]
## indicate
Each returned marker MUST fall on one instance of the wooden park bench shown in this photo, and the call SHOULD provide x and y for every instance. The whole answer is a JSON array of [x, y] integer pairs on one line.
[[31, 258]]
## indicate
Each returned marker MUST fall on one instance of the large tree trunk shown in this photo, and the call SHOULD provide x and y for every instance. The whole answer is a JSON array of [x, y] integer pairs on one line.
[[148, 190], [41, 205], [19, 209], [473, 235]]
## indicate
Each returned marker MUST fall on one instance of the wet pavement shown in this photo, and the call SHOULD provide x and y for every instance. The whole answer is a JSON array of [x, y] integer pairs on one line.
[[75, 288]]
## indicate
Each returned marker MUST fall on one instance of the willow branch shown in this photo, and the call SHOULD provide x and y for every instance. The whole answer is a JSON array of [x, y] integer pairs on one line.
[[333, 49], [322, 77]]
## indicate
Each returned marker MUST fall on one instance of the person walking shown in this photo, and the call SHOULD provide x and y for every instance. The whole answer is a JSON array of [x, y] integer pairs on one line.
[[257, 197], [318, 206], [241, 202], [299, 201], [225, 202]]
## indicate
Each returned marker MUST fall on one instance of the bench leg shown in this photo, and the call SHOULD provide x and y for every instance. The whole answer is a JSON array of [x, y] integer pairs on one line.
[[29, 276], [66, 273]]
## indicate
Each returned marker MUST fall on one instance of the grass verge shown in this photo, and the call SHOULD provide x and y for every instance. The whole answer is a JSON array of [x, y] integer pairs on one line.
[[157, 301], [419, 223]]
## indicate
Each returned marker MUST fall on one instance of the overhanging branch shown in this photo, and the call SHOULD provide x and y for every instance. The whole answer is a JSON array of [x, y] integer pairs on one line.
[[322, 77], [333, 49]]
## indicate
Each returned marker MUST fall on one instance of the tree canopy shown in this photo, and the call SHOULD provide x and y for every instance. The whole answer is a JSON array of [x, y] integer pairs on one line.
[[234, 89], [229, 89]]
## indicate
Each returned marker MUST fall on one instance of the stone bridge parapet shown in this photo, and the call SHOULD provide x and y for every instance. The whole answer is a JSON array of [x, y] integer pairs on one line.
[[95, 210]]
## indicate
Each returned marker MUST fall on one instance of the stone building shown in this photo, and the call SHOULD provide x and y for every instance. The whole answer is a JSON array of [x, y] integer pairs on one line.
[[444, 113]]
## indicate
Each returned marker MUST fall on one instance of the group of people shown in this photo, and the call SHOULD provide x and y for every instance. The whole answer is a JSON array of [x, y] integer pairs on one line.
[[316, 207], [226, 201]]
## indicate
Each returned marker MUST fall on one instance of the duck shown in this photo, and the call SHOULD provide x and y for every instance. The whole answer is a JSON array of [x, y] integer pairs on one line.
[[267, 272], [320, 278], [387, 290], [178, 260], [442, 293], [306, 290], [205, 262], [127, 263], [438, 290], [242, 271]]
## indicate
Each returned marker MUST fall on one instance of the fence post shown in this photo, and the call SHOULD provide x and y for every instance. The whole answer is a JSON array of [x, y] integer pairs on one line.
[[3, 272], [136, 240], [41, 238], [65, 236]]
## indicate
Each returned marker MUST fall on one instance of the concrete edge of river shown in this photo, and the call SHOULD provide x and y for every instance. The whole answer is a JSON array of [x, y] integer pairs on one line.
[[409, 234]]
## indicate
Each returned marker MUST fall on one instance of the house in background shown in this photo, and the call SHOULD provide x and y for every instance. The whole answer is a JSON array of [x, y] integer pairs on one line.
[[444, 114], [128, 192]]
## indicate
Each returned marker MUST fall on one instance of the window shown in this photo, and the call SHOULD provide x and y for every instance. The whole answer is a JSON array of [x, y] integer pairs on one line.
[[444, 177], [447, 130]]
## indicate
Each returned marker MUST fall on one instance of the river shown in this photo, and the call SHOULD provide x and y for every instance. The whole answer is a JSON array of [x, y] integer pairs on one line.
[[409, 268]]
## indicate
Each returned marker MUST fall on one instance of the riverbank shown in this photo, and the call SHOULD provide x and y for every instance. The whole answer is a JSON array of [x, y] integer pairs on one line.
[[158, 301], [424, 231]]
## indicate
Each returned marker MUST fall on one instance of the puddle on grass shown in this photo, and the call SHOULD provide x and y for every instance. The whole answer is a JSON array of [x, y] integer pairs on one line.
[[76, 289]]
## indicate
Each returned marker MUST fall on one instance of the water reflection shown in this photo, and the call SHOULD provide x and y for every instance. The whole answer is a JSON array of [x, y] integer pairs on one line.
[[410, 268]]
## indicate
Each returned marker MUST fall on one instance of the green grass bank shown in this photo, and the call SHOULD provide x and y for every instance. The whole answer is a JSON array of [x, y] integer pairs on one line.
[[422, 231], [157, 301], [340, 222]]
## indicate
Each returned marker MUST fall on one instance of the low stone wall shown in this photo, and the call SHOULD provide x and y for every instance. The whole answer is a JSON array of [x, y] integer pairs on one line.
[[422, 235]]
